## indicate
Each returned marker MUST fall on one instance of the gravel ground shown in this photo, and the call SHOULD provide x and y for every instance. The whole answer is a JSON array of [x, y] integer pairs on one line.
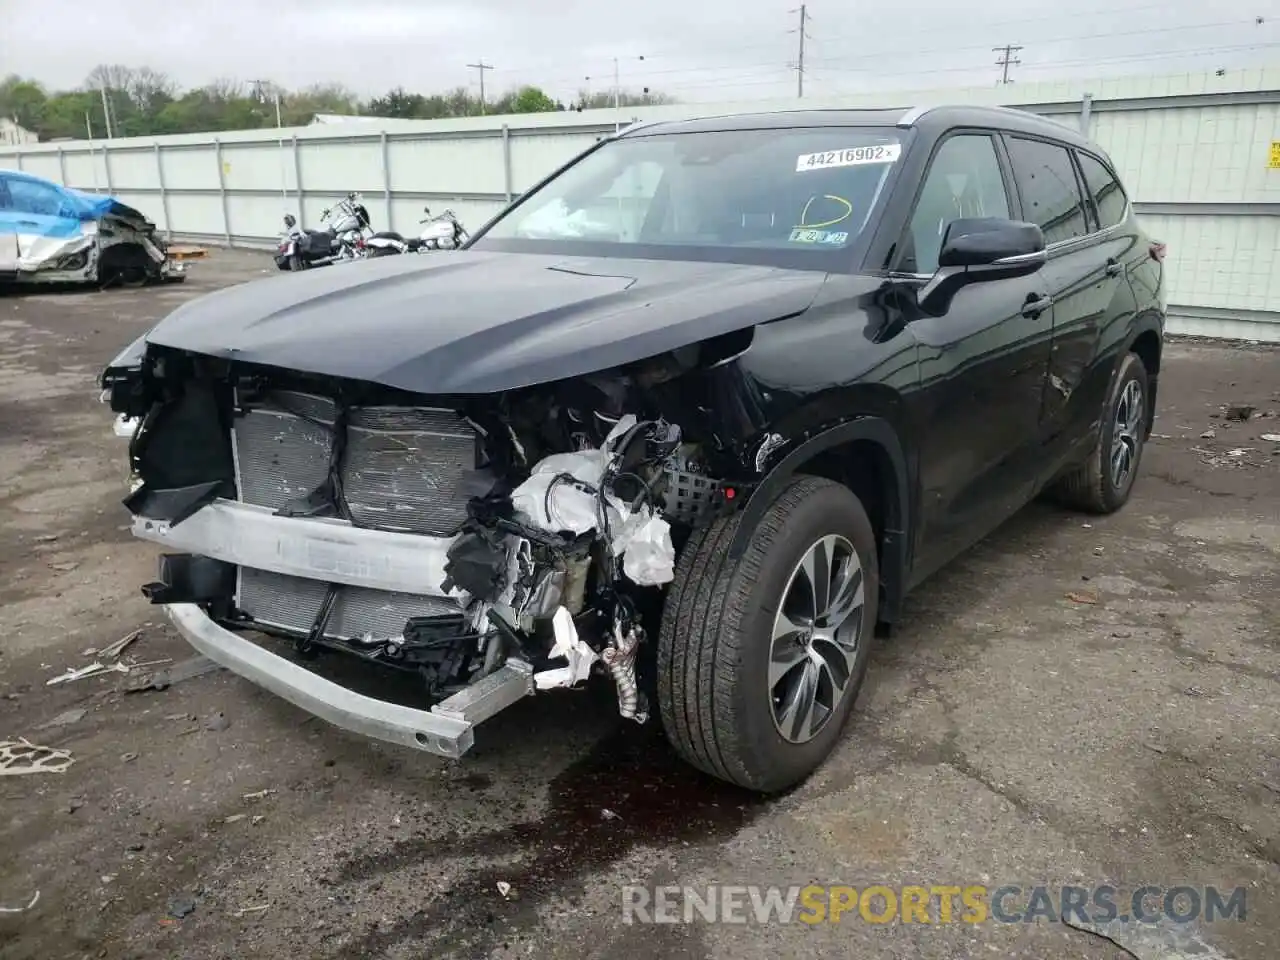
[[1007, 734]]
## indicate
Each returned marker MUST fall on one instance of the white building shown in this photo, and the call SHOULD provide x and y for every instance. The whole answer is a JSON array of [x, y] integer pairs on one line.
[[11, 133]]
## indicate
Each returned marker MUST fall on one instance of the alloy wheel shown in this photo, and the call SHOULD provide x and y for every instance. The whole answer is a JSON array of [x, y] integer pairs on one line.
[[1126, 434], [817, 636]]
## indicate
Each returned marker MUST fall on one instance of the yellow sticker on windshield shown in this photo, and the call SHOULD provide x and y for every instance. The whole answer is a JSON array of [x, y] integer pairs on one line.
[[850, 157], [843, 211]]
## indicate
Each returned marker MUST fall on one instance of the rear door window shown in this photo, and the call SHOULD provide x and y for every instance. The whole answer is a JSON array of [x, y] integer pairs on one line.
[[1051, 196], [1108, 196]]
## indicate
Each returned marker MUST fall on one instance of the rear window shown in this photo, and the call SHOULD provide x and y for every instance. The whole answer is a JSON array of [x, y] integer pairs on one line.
[[803, 190], [1050, 192], [1108, 196]]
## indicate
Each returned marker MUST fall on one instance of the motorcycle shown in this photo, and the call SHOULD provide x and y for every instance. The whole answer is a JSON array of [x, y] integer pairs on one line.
[[340, 239], [442, 232]]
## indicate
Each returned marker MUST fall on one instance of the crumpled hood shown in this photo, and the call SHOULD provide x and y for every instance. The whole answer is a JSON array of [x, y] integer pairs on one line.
[[93, 206], [478, 322]]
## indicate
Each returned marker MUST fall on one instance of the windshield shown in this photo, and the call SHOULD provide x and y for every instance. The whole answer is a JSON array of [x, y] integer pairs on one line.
[[793, 192]]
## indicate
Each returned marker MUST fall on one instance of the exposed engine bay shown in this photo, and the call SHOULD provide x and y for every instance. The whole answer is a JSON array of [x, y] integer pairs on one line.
[[538, 522]]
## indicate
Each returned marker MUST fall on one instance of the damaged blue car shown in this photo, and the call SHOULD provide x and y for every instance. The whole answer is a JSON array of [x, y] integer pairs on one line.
[[54, 234]]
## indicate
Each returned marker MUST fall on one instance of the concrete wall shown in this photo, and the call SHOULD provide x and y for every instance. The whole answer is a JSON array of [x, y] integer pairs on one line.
[[1192, 149]]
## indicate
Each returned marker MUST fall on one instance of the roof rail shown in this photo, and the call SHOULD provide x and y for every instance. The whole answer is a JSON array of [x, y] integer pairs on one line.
[[639, 125], [912, 116]]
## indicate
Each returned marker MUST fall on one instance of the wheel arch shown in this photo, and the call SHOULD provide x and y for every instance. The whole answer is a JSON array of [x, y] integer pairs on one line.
[[113, 258], [866, 455], [1146, 340]]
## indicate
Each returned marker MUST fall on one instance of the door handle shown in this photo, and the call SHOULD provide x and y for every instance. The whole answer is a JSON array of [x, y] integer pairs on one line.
[[1113, 268], [1036, 305]]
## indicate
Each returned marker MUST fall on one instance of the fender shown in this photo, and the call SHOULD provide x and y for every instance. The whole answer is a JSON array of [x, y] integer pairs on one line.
[[897, 520]]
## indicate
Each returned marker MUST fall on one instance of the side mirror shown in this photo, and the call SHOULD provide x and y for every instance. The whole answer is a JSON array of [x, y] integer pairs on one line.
[[290, 221], [976, 250], [427, 211], [982, 242]]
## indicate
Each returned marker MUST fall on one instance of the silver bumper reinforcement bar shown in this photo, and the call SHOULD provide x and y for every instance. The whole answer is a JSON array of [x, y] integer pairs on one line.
[[330, 550], [447, 729]]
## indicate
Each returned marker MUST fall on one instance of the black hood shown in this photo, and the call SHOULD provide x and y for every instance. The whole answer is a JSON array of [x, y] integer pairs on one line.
[[473, 322]]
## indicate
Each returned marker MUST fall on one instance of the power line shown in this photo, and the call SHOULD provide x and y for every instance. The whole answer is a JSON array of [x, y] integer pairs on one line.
[[838, 63], [482, 67], [1075, 16], [1007, 61], [1089, 61], [1048, 42], [756, 80]]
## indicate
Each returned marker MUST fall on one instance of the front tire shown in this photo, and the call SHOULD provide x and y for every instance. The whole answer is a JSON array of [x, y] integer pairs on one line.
[[1103, 482], [758, 671]]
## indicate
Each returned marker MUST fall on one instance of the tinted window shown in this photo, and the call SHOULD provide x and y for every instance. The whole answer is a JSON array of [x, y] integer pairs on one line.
[[28, 196], [1050, 194], [1108, 196], [798, 190], [963, 181]]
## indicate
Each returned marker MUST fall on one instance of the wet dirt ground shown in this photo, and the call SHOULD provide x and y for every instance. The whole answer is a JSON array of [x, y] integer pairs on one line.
[[1008, 733]]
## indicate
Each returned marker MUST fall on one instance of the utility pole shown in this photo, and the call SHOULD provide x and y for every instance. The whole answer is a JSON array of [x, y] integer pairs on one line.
[[88, 126], [106, 111], [804, 22], [261, 89], [1007, 61], [482, 67], [617, 92]]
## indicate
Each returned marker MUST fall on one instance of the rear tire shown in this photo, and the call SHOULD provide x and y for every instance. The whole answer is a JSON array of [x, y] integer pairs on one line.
[[724, 685], [1103, 482]]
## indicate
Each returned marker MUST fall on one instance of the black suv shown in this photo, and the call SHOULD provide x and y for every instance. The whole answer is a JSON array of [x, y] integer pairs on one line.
[[693, 414]]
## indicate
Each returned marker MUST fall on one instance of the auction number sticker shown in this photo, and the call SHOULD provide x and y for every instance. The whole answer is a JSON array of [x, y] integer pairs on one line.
[[850, 157]]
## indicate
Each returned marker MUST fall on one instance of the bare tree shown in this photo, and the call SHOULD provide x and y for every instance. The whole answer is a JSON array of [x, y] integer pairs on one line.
[[110, 76], [224, 88], [150, 89]]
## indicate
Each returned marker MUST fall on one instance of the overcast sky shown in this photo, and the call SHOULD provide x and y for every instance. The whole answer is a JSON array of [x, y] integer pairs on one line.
[[697, 50]]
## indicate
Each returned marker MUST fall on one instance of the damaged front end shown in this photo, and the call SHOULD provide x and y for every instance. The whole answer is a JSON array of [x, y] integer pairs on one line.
[[491, 547], [87, 239]]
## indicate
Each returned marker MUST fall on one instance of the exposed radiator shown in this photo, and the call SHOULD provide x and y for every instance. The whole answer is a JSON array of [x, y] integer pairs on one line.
[[403, 470], [293, 603]]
